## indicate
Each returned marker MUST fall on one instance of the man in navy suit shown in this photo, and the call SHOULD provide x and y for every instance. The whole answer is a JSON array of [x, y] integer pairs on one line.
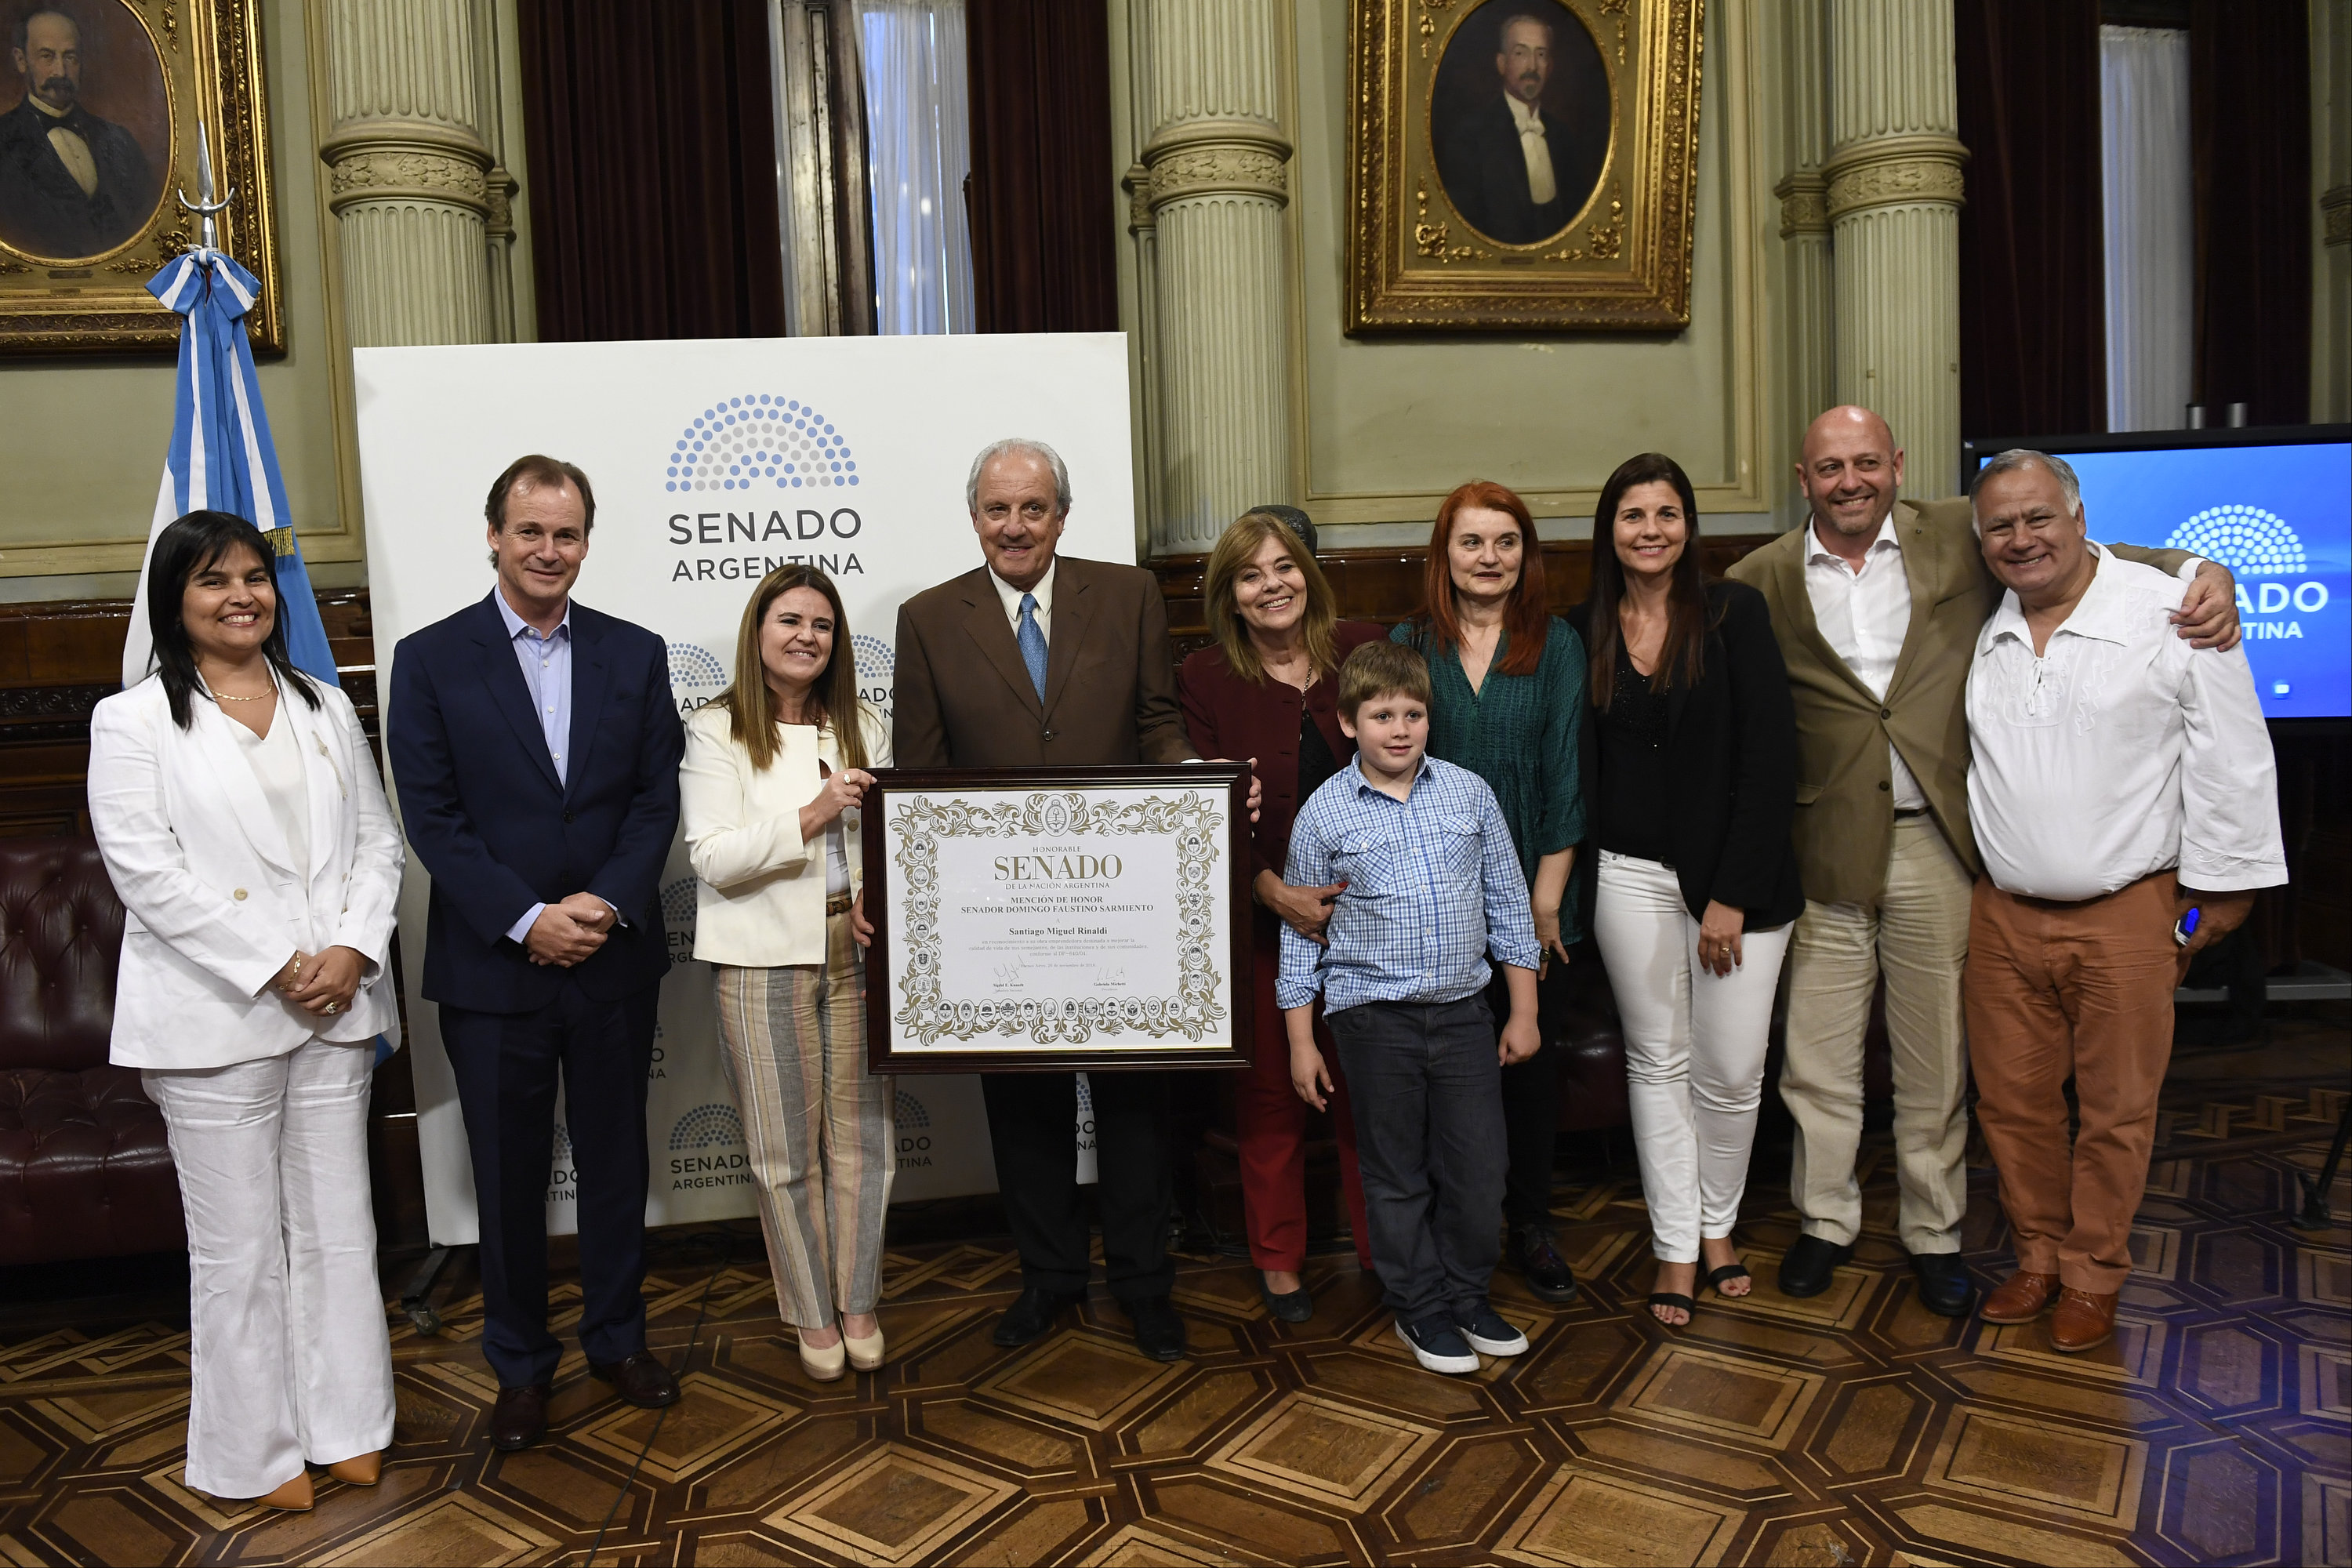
[[535, 745], [1515, 170]]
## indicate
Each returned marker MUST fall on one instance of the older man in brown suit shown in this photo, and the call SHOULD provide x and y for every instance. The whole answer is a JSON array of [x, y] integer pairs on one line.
[[1877, 604], [1037, 661]]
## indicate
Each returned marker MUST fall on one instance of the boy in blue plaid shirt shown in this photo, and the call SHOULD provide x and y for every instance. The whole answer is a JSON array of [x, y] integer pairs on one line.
[[1433, 887]]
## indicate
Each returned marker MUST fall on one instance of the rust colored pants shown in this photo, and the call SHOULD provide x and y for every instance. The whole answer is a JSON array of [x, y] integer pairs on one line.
[[2084, 990], [1270, 1130]]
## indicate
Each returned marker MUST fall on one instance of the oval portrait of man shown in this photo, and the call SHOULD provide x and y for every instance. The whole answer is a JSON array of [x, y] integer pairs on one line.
[[85, 128], [1519, 119]]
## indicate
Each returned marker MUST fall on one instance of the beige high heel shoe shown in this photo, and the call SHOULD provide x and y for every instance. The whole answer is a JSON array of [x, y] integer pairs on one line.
[[294, 1496], [866, 1355], [825, 1365], [359, 1470]]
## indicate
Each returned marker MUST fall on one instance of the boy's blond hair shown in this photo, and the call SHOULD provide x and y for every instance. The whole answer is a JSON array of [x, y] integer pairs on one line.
[[1379, 668]]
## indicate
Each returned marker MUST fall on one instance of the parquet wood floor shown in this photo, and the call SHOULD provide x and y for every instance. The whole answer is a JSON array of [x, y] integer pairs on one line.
[[1851, 1428]]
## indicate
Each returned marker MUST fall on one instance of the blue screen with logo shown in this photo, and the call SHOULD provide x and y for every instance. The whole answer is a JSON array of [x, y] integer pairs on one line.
[[2280, 517]]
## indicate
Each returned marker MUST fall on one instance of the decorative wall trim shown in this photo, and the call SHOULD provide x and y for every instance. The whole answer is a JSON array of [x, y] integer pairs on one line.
[[1895, 171], [2335, 216], [1804, 203], [1218, 157], [1137, 184], [392, 160]]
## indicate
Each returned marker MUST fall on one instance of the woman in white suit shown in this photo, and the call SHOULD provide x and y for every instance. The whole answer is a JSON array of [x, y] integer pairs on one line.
[[245, 828], [774, 770]]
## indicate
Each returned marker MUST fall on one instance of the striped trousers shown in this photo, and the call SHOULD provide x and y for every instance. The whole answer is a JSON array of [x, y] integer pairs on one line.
[[817, 1124]]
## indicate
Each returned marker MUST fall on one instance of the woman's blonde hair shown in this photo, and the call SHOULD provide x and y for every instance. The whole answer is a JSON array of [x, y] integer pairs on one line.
[[752, 707], [1235, 548]]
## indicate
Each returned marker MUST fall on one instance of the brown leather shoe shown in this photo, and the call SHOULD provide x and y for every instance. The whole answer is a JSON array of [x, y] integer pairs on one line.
[[294, 1496], [519, 1417], [639, 1379], [2082, 1322], [2020, 1298], [359, 1470]]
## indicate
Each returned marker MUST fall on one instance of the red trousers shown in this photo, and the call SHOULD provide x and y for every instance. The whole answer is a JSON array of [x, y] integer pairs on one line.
[[1270, 1126]]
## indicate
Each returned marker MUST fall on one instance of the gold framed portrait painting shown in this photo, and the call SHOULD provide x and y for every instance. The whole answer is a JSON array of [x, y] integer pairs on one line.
[[100, 101], [1521, 165]]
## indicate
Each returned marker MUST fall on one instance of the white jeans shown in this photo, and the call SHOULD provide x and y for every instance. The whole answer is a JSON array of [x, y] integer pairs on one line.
[[1693, 1051], [291, 1359]]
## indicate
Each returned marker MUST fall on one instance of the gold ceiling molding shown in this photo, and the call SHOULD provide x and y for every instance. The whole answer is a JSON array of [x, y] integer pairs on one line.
[[1895, 171]]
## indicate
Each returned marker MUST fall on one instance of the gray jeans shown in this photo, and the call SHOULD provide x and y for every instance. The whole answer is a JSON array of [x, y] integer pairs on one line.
[[1428, 1095]]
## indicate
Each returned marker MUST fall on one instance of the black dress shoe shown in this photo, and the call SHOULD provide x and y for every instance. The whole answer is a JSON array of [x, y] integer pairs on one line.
[[1290, 1306], [519, 1417], [1549, 1277], [1159, 1331], [1945, 1288], [1806, 1270], [1030, 1317], [639, 1379]]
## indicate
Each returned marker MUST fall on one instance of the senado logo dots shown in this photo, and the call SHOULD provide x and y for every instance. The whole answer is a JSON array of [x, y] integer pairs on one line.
[[760, 442], [909, 1113], [2250, 542], [695, 673], [876, 664], [706, 1126]]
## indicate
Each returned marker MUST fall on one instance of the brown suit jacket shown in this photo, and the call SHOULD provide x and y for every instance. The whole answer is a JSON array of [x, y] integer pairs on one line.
[[963, 698], [1845, 825]]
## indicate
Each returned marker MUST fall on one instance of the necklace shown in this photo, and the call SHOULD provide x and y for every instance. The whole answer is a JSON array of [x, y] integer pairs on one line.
[[224, 696]]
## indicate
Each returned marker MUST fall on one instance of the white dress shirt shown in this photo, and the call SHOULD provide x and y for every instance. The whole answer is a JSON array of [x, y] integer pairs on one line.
[[1536, 148], [2119, 751], [1864, 612], [71, 150], [545, 659], [1010, 596]]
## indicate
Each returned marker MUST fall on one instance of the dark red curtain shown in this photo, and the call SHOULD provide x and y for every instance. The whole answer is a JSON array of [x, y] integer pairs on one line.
[[2250, 123], [1044, 193], [2033, 292], [652, 185]]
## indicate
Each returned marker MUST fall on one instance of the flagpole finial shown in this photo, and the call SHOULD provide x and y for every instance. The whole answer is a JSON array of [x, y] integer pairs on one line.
[[204, 205]]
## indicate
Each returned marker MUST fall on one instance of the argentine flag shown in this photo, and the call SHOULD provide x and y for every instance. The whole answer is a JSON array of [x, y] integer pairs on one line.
[[221, 457]]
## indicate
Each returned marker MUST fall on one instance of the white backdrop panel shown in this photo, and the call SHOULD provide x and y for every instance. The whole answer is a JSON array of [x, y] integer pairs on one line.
[[713, 462]]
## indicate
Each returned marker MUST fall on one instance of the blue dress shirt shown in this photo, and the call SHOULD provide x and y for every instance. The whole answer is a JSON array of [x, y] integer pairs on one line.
[[546, 661], [1434, 887]]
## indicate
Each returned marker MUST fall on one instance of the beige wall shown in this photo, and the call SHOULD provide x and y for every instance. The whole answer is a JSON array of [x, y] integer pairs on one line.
[[81, 440]]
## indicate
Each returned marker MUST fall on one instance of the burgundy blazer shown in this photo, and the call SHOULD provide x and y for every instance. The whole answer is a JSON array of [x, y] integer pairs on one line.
[[1229, 717]]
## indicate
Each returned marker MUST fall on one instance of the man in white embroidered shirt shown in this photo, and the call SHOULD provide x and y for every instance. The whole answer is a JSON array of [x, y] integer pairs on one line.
[[2120, 780]]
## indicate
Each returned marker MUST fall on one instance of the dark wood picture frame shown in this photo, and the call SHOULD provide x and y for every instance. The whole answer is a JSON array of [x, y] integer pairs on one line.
[[1228, 779]]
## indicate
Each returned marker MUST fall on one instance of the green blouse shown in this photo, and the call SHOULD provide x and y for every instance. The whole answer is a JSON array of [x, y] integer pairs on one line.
[[1519, 732]]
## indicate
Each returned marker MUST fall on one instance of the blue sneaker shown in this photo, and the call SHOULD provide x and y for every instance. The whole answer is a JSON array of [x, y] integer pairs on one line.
[[1489, 1335], [1438, 1345]]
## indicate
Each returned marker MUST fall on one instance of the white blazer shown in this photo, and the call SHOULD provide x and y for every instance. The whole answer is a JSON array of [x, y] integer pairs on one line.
[[209, 889], [759, 892]]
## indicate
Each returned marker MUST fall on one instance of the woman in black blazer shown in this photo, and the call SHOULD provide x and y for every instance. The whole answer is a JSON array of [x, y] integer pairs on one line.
[[1690, 781]]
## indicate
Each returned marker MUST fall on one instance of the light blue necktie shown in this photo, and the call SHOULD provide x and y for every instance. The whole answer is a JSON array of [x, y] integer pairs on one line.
[[1033, 644]]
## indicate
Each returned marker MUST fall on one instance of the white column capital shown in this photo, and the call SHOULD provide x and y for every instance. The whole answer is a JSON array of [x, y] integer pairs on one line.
[[1895, 170], [1218, 156], [407, 160]]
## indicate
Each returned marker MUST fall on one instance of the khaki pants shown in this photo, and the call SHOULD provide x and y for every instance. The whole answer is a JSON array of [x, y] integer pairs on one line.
[[1916, 935], [2081, 991]]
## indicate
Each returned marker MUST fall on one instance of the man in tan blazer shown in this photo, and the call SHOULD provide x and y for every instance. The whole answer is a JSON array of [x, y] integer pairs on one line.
[[1877, 604], [1035, 661]]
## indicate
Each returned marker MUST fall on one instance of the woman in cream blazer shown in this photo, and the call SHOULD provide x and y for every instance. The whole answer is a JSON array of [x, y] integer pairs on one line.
[[244, 827], [768, 792]]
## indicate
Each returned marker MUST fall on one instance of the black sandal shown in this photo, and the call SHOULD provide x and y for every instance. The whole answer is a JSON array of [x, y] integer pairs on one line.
[[1732, 1270], [1668, 1298]]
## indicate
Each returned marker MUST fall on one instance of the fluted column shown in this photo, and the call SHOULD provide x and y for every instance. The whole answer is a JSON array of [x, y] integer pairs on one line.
[[1809, 323], [1894, 192], [411, 184], [1215, 181]]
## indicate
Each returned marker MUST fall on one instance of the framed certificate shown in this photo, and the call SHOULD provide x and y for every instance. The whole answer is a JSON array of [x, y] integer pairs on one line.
[[1087, 918]]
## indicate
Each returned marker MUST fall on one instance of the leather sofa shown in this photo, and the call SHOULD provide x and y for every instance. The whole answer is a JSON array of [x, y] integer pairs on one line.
[[85, 1170]]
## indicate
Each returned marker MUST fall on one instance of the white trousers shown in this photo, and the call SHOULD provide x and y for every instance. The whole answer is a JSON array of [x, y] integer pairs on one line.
[[291, 1360], [1693, 1051]]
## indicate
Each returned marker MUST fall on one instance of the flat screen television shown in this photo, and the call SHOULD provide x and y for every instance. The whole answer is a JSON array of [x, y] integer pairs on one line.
[[2273, 505]]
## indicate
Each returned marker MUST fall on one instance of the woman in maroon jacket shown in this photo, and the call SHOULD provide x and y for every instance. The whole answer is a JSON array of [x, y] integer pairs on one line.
[[1268, 690]]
